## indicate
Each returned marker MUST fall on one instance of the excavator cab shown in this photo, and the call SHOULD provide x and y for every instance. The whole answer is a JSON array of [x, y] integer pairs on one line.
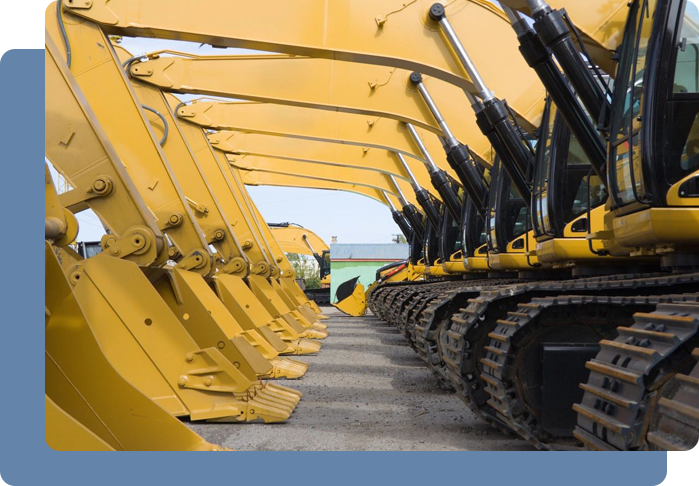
[[473, 237], [452, 251], [324, 263], [417, 250], [654, 133], [508, 224], [567, 194], [432, 246], [451, 245]]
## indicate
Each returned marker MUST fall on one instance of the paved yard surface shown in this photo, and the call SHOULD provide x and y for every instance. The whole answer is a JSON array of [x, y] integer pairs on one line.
[[366, 390]]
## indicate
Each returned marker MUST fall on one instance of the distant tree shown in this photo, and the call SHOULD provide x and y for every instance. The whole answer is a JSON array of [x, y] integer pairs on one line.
[[305, 268], [399, 239]]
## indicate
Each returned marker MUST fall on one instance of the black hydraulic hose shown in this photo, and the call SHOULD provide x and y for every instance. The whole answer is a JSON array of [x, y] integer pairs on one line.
[[165, 124], [429, 205], [402, 224], [127, 64], [583, 49], [504, 155], [516, 158], [445, 188], [462, 162], [520, 130], [64, 34], [415, 220]]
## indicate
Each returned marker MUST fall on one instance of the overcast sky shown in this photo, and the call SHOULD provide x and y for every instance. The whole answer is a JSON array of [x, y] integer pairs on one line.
[[351, 217]]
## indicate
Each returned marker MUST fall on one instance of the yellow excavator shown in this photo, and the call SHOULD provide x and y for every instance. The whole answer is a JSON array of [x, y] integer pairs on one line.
[[294, 238]]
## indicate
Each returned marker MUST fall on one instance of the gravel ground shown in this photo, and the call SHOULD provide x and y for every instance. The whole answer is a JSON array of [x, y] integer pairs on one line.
[[366, 390]]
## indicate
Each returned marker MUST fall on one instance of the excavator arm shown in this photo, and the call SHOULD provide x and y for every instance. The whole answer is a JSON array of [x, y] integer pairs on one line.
[[349, 175], [256, 178], [325, 156], [101, 80], [298, 122], [380, 32], [184, 158], [74, 139], [439, 178], [317, 125], [297, 239], [371, 90]]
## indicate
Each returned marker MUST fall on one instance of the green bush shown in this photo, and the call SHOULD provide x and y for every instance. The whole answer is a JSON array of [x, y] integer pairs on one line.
[[305, 268]]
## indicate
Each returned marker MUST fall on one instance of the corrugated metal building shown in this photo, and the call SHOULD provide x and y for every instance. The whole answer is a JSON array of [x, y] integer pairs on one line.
[[361, 260]]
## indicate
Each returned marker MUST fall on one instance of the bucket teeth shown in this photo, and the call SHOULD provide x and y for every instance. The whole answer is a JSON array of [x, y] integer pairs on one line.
[[266, 403], [322, 317], [319, 326], [313, 334], [280, 395], [264, 407], [302, 346], [294, 395], [287, 368], [259, 408]]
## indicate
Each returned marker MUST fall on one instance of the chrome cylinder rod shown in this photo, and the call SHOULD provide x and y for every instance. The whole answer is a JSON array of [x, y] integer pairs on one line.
[[431, 166]]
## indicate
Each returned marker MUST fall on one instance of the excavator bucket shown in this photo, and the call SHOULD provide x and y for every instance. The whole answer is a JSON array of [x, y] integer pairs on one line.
[[307, 314], [350, 298], [275, 305], [208, 321], [64, 433], [292, 288], [88, 404], [147, 344], [233, 291]]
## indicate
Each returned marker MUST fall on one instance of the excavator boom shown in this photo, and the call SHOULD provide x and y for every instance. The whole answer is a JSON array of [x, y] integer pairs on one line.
[[257, 178], [338, 174], [297, 239], [370, 90], [324, 155], [364, 31]]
